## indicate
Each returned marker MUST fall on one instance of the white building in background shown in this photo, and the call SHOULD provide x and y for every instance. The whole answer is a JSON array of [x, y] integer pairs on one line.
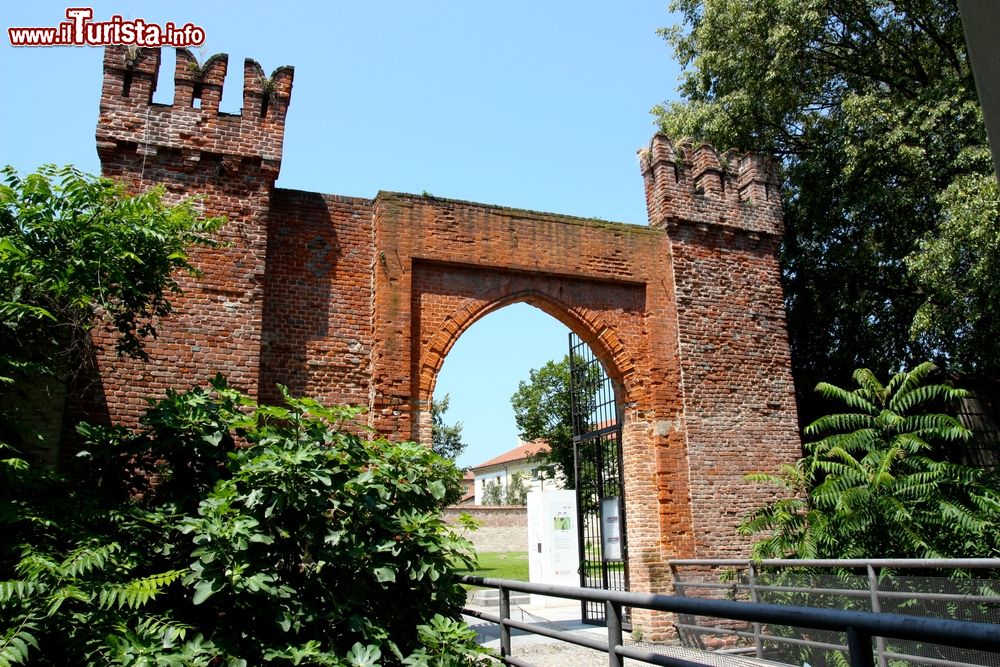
[[523, 459]]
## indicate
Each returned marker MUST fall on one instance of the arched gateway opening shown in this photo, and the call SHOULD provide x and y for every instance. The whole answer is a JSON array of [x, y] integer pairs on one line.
[[471, 312], [356, 300], [482, 373], [596, 463]]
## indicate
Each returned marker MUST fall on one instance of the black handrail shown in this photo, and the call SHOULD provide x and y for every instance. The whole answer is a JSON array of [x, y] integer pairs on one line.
[[861, 626]]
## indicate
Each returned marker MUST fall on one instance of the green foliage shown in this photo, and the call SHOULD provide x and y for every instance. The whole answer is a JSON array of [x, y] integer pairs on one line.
[[446, 642], [300, 546], [76, 578], [492, 492], [446, 440], [889, 255], [880, 481], [957, 271], [469, 523], [516, 492], [543, 410], [73, 246], [77, 251]]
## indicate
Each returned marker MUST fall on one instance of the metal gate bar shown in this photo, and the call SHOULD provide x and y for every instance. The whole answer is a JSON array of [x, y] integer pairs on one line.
[[600, 487]]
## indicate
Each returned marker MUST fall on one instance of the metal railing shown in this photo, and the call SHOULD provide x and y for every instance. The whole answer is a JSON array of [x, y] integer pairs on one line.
[[768, 580], [861, 627]]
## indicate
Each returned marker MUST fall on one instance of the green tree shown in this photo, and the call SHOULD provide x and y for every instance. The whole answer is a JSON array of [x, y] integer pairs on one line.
[[871, 108], [882, 481], [492, 492], [543, 410], [446, 440], [77, 252], [957, 271], [516, 492], [308, 534]]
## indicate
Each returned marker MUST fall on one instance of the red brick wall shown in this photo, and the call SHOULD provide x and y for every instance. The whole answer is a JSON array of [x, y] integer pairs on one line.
[[441, 265], [317, 333], [359, 301]]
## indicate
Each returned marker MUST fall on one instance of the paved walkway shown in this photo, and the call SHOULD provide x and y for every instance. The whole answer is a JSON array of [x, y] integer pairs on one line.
[[542, 651]]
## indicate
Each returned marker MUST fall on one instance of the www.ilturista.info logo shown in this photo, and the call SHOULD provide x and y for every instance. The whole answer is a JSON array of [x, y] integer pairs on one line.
[[79, 30]]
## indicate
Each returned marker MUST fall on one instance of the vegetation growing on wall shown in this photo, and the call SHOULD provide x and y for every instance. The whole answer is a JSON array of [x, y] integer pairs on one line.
[[78, 252]]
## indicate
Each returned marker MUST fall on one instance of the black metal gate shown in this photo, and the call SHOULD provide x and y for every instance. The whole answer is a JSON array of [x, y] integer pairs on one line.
[[600, 485]]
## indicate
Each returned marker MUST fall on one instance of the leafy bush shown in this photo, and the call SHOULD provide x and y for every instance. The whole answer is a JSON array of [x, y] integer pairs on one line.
[[881, 482], [302, 544], [74, 245]]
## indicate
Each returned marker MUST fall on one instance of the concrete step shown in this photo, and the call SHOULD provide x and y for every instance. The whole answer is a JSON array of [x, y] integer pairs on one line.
[[490, 597]]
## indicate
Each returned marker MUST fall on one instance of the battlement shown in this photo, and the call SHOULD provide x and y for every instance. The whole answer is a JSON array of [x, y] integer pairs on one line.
[[193, 126], [695, 184]]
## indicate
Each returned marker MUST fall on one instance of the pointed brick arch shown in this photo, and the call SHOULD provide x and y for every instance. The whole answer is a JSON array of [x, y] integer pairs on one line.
[[441, 265], [599, 334]]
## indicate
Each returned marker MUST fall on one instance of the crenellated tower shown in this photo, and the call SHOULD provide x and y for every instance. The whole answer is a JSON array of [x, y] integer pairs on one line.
[[687, 183], [229, 164], [723, 221], [192, 132]]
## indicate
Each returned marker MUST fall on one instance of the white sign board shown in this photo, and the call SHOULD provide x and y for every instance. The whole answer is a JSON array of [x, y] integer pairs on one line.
[[553, 550], [611, 529]]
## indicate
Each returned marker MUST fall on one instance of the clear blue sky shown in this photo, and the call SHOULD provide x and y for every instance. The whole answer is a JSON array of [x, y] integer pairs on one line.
[[538, 105]]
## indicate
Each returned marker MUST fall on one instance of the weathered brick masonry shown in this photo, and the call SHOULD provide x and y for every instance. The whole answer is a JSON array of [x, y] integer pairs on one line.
[[359, 301]]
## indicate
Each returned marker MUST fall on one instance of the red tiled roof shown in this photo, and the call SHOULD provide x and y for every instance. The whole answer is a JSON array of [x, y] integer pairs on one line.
[[519, 453]]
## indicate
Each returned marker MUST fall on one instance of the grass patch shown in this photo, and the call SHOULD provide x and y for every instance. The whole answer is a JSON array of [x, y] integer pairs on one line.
[[502, 565]]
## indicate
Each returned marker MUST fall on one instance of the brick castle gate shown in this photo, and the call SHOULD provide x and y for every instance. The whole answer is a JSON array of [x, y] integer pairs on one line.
[[354, 300]]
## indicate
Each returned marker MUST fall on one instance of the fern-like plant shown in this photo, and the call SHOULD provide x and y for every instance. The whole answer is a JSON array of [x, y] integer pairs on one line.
[[881, 480]]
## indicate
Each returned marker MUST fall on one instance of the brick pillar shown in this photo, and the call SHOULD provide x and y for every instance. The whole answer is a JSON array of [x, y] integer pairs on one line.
[[722, 216]]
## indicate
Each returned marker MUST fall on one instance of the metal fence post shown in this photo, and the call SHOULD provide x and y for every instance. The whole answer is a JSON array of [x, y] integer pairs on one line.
[[859, 648], [504, 616], [752, 580], [678, 584], [877, 608], [613, 613]]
